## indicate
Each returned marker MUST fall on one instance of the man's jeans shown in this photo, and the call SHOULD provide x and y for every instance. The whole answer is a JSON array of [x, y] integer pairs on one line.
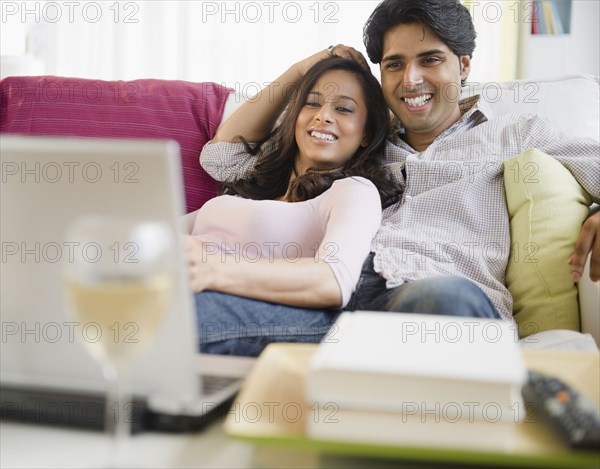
[[448, 296], [232, 325]]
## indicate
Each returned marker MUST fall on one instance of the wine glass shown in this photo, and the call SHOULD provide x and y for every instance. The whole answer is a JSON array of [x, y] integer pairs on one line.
[[119, 278]]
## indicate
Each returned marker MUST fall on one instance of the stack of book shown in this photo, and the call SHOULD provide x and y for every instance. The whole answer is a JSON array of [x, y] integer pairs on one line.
[[417, 380]]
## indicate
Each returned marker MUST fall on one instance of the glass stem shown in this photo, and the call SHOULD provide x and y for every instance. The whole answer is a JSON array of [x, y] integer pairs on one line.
[[118, 412]]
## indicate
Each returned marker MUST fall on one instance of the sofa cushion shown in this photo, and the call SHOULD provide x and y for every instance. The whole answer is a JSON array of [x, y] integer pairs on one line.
[[549, 98], [156, 109], [546, 207]]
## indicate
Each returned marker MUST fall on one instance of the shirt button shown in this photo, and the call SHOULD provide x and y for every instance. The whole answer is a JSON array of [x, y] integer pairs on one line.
[[379, 246], [408, 196]]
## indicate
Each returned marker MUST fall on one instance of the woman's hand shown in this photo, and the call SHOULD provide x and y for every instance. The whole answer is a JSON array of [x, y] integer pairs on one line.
[[200, 266], [303, 283]]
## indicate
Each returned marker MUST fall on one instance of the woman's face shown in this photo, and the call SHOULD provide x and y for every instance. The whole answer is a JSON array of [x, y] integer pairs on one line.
[[331, 124]]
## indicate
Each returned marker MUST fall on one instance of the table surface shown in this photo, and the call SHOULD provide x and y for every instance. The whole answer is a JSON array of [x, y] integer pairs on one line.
[[33, 446], [27, 445]]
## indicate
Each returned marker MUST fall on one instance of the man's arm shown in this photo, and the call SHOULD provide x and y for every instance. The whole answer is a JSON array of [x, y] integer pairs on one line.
[[582, 158], [254, 120]]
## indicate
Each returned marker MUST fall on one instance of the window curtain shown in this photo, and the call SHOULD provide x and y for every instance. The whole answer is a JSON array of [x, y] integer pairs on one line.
[[242, 44]]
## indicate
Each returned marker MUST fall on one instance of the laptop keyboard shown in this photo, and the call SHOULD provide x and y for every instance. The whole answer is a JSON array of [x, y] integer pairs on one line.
[[69, 409], [212, 383]]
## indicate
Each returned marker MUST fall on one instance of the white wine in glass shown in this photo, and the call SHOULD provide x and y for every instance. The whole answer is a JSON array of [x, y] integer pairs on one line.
[[127, 311], [119, 280]]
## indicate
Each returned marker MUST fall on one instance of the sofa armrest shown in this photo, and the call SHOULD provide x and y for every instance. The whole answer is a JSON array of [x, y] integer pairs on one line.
[[186, 112], [233, 102], [589, 305]]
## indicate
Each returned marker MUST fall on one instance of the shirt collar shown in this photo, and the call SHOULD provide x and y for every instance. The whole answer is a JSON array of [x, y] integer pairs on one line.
[[475, 108]]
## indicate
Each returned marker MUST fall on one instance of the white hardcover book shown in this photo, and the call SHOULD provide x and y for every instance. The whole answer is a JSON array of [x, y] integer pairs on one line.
[[396, 362]]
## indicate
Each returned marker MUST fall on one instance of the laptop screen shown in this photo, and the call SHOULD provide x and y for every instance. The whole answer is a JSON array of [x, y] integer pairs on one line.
[[46, 184]]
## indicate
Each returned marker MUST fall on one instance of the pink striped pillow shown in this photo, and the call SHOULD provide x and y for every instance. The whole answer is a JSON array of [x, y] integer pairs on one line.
[[187, 112]]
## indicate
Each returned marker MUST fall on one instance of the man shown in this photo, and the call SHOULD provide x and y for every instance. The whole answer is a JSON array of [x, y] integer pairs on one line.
[[432, 252]]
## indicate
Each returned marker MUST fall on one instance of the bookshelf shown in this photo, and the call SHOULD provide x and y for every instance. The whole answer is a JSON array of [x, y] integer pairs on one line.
[[550, 17], [564, 41]]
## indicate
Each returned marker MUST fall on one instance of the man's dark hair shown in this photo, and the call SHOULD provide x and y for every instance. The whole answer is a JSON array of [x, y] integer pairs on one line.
[[448, 19]]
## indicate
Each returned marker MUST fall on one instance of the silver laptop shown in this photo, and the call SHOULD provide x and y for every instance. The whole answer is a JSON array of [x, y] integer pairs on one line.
[[46, 184]]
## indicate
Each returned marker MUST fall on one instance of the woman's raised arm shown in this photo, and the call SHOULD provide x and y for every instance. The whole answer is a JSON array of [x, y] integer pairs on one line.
[[255, 119]]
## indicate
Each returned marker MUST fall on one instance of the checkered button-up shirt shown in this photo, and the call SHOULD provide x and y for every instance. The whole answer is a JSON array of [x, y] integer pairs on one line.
[[452, 219]]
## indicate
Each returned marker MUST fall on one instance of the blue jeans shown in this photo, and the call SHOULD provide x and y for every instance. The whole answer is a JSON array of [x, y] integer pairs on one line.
[[233, 325], [444, 295]]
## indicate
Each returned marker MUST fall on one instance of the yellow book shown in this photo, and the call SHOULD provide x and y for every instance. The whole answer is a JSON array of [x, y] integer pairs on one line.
[[548, 17]]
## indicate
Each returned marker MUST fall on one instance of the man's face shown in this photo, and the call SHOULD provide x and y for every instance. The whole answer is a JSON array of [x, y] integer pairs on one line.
[[420, 77]]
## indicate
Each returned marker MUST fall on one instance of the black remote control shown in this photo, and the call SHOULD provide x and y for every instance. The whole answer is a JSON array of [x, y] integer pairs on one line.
[[570, 413]]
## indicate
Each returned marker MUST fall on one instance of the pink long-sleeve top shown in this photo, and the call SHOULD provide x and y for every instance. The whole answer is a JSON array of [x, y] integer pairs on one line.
[[336, 227]]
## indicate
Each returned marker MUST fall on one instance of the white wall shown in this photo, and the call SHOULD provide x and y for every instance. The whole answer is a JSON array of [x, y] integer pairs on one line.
[[227, 42]]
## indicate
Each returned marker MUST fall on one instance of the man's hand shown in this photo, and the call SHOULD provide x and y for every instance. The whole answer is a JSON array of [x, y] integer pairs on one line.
[[350, 53], [589, 240], [340, 50]]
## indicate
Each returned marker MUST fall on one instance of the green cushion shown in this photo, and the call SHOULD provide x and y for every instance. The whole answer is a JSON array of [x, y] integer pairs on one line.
[[547, 207]]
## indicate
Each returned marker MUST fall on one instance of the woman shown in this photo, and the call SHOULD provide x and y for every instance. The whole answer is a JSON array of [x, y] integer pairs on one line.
[[297, 229]]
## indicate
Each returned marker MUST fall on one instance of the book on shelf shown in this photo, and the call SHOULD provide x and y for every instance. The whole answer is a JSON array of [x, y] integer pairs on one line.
[[534, 18], [391, 362], [557, 22], [548, 19]]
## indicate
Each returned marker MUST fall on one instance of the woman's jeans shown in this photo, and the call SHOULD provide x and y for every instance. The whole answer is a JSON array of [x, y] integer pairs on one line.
[[233, 325]]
